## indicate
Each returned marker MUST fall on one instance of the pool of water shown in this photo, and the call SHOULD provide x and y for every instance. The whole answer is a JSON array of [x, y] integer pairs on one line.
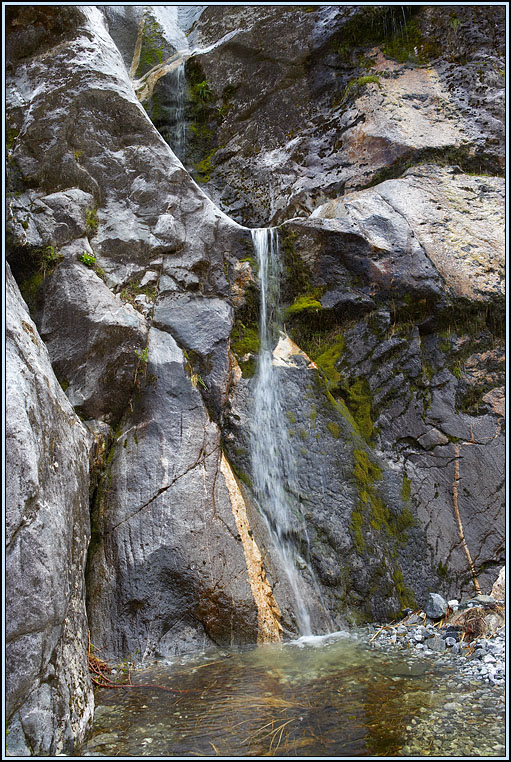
[[318, 696]]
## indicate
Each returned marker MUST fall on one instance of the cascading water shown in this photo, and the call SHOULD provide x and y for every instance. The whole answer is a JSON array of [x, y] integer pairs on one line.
[[272, 454], [179, 143]]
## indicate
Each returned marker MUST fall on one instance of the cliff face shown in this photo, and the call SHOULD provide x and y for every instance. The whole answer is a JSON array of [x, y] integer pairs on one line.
[[377, 142]]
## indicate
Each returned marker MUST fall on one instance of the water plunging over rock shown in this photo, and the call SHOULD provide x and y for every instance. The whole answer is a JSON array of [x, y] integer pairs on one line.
[[272, 454], [180, 128]]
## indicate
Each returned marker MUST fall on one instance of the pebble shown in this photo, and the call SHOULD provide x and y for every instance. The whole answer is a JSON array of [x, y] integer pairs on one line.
[[482, 660]]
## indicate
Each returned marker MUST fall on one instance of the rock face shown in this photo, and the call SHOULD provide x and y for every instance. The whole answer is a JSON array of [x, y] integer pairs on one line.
[[376, 143], [290, 120], [49, 702]]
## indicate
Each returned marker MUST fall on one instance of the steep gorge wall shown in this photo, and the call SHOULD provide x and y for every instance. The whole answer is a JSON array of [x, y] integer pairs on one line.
[[145, 296]]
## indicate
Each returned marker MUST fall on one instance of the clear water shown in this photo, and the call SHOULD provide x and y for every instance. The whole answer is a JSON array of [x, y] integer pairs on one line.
[[319, 696], [271, 451]]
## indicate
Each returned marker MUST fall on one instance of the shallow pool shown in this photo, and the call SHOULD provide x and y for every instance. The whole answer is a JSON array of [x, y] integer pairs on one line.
[[320, 696]]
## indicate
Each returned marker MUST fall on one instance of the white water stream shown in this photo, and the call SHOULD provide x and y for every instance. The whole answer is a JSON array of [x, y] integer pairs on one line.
[[271, 450], [179, 144]]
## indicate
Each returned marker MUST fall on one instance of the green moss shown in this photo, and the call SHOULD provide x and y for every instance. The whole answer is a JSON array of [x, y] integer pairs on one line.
[[359, 403], [404, 593], [91, 221], [11, 133], [297, 275], [406, 489], [245, 341], [366, 471], [334, 429], [356, 527], [203, 168], [313, 414], [291, 416], [30, 289], [355, 86], [153, 42], [303, 304], [328, 359]]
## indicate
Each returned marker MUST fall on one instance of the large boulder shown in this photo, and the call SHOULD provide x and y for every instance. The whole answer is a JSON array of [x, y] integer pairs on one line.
[[49, 701]]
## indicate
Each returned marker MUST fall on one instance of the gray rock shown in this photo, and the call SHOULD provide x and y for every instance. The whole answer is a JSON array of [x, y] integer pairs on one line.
[[93, 340], [49, 700], [436, 606]]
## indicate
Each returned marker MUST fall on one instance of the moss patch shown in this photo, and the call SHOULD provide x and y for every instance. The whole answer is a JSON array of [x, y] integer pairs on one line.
[[334, 429], [245, 341], [153, 43], [303, 304], [327, 361], [358, 400]]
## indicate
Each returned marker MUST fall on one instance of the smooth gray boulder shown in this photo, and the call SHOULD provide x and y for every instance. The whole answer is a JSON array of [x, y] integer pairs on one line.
[[94, 341], [49, 700], [436, 606]]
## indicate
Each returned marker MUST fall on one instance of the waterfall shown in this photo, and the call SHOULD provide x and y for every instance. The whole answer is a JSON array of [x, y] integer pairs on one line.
[[271, 450], [179, 143]]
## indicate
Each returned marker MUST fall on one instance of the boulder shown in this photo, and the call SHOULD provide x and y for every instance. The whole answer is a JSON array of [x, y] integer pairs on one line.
[[436, 606], [49, 700]]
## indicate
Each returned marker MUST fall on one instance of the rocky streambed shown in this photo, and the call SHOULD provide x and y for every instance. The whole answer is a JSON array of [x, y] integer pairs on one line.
[[370, 692]]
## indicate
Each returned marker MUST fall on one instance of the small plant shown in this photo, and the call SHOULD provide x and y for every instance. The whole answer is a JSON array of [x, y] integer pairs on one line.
[[455, 23], [91, 220], [88, 259], [143, 355], [50, 258], [203, 91], [196, 379], [77, 154]]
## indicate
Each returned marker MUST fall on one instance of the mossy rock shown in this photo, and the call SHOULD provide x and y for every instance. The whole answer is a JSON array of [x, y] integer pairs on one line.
[[303, 304]]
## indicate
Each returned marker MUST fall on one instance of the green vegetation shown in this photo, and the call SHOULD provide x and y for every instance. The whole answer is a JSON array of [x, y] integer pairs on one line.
[[91, 221], [405, 595], [334, 429], [153, 44], [205, 115], [50, 258], [297, 279], [327, 361], [142, 354], [245, 343], [406, 489], [303, 303], [88, 259], [30, 289], [11, 133], [383, 26], [203, 168], [202, 91], [131, 290], [358, 399], [355, 86]]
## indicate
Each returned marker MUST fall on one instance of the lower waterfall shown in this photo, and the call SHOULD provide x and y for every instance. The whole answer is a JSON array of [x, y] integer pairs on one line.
[[271, 450]]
